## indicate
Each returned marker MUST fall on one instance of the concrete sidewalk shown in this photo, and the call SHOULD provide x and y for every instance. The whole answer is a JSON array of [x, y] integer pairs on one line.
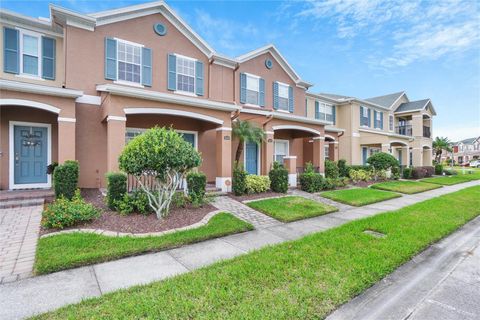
[[441, 283], [40, 294]]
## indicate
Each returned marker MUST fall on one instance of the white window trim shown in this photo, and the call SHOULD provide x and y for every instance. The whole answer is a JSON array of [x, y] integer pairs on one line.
[[187, 93], [125, 82], [11, 151], [257, 105], [320, 103], [259, 152], [392, 128], [281, 84], [39, 36], [274, 149]]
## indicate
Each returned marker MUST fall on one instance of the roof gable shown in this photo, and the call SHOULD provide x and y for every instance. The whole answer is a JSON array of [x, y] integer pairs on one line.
[[279, 58], [388, 100], [418, 105], [92, 20]]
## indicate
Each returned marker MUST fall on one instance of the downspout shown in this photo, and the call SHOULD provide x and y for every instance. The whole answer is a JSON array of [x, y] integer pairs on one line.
[[210, 62]]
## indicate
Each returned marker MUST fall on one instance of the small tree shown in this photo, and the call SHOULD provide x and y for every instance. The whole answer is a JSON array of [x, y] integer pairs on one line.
[[440, 144], [245, 131], [382, 161], [165, 155]]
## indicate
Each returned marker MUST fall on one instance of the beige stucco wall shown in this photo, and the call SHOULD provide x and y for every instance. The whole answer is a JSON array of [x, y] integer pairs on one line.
[[59, 64]]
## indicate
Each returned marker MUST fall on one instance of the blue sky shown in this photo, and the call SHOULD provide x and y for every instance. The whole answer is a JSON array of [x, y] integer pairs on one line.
[[363, 48]]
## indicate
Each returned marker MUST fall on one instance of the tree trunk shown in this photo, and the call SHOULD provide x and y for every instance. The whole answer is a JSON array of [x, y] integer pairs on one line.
[[239, 151]]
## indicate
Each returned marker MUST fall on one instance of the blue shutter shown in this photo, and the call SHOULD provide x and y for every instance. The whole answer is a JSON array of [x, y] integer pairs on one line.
[[147, 67], [290, 99], [317, 110], [334, 114], [10, 50], [110, 59], [369, 117], [243, 88], [199, 78], [361, 115], [381, 120], [275, 95], [261, 96], [374, 118], [48, 58], [172, 72]]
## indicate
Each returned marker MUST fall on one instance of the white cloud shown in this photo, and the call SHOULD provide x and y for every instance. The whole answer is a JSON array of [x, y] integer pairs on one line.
[[411, 30], [226, 35], [457, 133]]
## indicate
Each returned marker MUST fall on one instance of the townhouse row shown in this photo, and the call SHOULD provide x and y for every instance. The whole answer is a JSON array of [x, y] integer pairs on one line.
[[80, 86]]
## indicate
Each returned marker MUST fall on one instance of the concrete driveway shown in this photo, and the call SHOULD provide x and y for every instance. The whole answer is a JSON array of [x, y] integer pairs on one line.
[[443, 282]]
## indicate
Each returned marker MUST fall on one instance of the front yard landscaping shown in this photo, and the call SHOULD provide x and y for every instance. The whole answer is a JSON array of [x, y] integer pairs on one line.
[[359, 196], [451, 180], [291, 208], [70, 250], [303, 279], [408, 187]]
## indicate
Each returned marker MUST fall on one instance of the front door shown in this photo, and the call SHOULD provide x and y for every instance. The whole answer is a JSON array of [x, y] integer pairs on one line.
[[30, 153], [251, 157]]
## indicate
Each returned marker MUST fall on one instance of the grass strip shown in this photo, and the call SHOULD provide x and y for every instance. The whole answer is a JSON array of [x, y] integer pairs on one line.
[[359, 196], [408, 187]]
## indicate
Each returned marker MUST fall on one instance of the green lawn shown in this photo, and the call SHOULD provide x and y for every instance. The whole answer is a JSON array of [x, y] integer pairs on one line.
[[451, 180], [291, 208], [303, 279], [408, 187], [71, 250], [359, 196]]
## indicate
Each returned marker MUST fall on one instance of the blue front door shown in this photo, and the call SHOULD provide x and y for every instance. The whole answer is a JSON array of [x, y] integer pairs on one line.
[[30, 155], [251, 158]]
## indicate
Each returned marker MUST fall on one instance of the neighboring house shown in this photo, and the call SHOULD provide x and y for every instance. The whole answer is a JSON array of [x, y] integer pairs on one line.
[[80, 86], [390, 123], [466, 150]]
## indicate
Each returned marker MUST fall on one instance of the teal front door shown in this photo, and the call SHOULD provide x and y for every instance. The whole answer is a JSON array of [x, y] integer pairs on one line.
[[30, 151], [251, 157]]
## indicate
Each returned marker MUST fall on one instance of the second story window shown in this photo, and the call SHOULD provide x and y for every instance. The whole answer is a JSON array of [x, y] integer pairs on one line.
[[378, 121], [185, 74], [364, 116], [324, 112], [390, 123], [253, 89], [30, 54], [283, 97], [129, 62]]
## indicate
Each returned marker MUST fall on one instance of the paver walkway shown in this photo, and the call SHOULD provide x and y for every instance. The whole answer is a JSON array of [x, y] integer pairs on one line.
[[19, 228], [55, 290], [244, 212]]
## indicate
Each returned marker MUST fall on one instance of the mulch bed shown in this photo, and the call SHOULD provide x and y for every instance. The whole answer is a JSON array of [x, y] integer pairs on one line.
[[137, 223], [254, 196]]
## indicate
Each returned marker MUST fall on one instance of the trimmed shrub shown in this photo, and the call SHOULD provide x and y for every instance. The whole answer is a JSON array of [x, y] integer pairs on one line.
[[65, 179], [278, 178], [419, 173], [438, 169], [196, 184], [179, 200], [239, 186], [382, 161], [331, 169], [311, 182], [63, 212], [395, 173], [116, 187], [381, 174], [358, 167], [343, 168], [360, 175], [257, 184], [450, 172], [407, 173], [136, 201]]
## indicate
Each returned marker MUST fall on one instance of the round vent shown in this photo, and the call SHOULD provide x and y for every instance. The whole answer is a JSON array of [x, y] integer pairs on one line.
[[160, 29], [268, 63]]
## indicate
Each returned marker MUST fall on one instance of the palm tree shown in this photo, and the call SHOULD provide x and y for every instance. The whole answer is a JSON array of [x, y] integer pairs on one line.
[[440, 144], [246, 132]]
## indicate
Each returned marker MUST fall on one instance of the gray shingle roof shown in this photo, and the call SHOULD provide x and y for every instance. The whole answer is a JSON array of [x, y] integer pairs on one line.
[[386, 100], [412, 105], [467, 141], [334, 96]]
